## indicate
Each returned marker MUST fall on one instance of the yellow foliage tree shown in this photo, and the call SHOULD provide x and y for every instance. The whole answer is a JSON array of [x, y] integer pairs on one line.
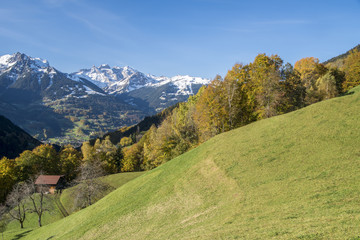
[[310, 71], [352, 70], [7, 176], [132, 158], [70, 161]]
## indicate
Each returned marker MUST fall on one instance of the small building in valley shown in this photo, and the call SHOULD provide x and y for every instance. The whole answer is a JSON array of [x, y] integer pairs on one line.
[[50, 183]]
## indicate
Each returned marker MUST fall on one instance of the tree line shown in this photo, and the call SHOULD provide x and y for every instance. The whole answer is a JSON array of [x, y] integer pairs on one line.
[[261, 89]]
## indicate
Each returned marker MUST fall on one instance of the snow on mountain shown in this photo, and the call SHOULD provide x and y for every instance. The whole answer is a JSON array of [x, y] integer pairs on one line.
[[18, 64], [21, 60], [44, 100], [21, 71], [183, 83], [98, 80], [6, 62], [119, 80], [114, 80]]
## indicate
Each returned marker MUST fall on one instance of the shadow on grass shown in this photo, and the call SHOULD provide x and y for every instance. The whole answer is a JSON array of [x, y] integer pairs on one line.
[[20, 235]]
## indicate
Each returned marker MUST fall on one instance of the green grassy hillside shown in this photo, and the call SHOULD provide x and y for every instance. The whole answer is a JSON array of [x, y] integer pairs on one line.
[[294, 176]]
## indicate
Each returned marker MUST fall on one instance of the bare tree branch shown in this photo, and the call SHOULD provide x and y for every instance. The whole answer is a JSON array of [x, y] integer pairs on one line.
[[89, 184], [16, 201], [37, 196]]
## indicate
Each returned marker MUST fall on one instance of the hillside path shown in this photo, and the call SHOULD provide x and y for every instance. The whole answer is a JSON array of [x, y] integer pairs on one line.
[[60, 206]]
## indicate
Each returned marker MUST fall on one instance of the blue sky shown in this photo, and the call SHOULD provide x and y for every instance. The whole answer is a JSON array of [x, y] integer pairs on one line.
[[188, 37]]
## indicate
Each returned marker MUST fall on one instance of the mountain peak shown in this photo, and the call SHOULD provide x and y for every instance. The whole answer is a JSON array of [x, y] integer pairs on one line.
[[129, 68], [104, 66], [117, 80], [22, 60]]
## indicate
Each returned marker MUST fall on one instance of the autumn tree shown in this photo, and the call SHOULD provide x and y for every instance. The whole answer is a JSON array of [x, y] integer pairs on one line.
[[340, 79], [241, 99], [133, 158], [264, 84], [183, 127], [29, 165], [47, 159], [326, 86], [352, 69], [210, 115], [87, 151], [150, 151], [115, 160], [293, 88], [236, 98], [70, 161], [310, 71], [126, 141], [8, 176]]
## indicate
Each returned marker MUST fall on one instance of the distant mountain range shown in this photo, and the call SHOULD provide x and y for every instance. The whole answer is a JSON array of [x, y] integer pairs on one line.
[[119, 80], [63, 107]]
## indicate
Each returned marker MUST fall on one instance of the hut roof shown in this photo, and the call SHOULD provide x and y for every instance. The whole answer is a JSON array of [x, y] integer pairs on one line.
[[48, 179]]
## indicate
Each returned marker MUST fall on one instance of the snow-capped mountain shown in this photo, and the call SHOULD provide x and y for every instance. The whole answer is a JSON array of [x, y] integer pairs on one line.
[[21, 72], [96, 80], [48, 103], [19, 61], [114, 80], [17, 66], [118, 80]]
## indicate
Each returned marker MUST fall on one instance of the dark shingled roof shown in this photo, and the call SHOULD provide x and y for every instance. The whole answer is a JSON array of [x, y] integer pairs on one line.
[[48, 179]]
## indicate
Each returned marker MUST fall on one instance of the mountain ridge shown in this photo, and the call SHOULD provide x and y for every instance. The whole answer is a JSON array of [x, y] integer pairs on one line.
[[117, 80], [113, 80], [79, 106]]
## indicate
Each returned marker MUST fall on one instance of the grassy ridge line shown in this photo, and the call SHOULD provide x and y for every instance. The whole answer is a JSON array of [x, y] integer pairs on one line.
[[293, 176]]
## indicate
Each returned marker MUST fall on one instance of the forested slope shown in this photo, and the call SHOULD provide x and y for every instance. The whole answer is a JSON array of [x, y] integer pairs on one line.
[[14, 140], [287, 177]]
